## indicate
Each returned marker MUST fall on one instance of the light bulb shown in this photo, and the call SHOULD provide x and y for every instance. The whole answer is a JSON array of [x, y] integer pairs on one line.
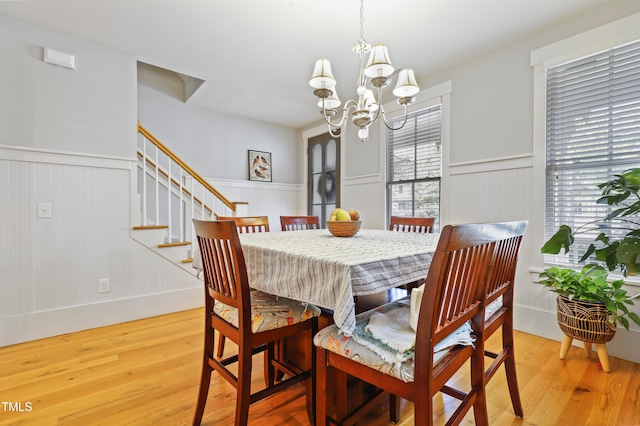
[[363, 133]]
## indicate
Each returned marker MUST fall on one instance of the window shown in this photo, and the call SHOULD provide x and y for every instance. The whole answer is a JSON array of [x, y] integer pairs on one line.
[[592, 133], [414, 167]]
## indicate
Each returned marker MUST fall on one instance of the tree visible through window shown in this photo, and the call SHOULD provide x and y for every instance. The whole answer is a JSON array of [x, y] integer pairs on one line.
[[414, 167], [593, 132]]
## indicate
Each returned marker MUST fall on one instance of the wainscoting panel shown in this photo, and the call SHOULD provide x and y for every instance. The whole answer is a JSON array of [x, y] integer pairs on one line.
[[499, 195], [51, 266]]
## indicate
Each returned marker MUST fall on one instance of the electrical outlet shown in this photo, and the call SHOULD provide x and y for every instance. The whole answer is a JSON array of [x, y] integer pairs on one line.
[[104, 285]]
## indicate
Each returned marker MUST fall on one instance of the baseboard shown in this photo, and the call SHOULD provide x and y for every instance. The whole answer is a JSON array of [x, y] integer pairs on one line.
[[625, 344], [38, 325]]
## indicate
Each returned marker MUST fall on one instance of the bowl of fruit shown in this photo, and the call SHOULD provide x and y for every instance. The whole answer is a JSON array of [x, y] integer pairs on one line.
[[344, 223]]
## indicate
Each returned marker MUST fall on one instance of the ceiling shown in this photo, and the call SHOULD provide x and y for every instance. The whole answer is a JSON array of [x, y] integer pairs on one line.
[[256, 56]]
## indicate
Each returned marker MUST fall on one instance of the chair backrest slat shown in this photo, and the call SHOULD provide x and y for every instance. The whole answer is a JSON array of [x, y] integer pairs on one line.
[[249, 224], [504, 263], [469, 260], [223, 264], [411, 224], [299, 223]]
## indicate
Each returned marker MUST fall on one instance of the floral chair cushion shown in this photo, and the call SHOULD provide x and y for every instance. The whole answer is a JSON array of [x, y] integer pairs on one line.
[[365, 349], [269, 312]]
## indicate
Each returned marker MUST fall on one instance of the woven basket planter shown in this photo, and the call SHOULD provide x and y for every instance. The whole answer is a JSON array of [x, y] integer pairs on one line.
[[585, 321]]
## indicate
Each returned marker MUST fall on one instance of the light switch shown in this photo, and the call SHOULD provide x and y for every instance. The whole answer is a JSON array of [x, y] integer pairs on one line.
[[44, 210]]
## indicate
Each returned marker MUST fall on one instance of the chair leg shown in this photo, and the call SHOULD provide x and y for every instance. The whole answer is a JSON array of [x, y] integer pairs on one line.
[[220, 351], [205, 381], [423, 408], [311, 382], [321, 387], [510, 369], [394, 408], [269, 370], [243, 395]]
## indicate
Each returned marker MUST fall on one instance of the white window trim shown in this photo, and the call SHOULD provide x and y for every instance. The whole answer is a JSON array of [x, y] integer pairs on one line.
[[605, 37], [439, 94]]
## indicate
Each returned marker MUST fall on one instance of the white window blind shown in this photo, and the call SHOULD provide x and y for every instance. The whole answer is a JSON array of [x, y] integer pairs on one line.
[[593, 132], [414, 165]]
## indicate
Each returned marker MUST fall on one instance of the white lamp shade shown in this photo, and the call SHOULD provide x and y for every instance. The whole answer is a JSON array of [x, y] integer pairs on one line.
[[407, 85], [332, 102], [322, 77], [379, 64]]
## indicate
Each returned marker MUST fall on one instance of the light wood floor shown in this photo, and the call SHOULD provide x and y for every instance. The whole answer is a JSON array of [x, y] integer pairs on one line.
[[146, 373]]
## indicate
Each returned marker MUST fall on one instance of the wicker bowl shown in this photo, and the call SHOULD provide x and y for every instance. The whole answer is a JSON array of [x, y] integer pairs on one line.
[[344, 228]]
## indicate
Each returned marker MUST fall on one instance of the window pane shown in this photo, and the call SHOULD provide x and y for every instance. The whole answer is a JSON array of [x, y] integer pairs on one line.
[[331, 157], [317, 189], [427, 199], [316, 158], [330, 184], [401, 197]]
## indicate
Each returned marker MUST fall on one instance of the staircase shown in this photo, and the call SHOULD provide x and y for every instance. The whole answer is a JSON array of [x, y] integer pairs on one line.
[[170, 195]]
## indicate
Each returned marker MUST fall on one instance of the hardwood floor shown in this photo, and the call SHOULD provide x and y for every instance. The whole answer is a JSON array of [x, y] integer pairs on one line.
[[146, 372]]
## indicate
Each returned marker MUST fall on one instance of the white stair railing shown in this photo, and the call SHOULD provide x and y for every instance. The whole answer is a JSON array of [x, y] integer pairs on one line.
[[186, 194]]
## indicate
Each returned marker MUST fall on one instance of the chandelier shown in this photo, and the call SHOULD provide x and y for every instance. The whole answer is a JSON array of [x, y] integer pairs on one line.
[[377, 72]]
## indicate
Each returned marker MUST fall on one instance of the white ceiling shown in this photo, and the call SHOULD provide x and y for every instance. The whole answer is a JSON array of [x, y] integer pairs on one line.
[[256, 56]]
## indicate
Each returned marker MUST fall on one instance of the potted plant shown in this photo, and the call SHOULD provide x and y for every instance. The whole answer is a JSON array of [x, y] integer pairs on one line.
[[589, 305], [591, 285]]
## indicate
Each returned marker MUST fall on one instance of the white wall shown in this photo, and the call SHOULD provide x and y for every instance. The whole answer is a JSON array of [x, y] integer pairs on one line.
[[91, 109]]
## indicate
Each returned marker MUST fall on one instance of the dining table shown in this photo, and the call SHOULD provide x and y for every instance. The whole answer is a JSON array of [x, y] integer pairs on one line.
[[314, 266]]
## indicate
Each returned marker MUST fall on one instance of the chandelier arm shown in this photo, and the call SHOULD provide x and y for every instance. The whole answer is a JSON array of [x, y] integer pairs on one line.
[[386, 123], [338, 132], [350, 104]]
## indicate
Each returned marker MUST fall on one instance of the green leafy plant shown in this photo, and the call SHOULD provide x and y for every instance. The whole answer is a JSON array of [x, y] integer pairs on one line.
[[621, 253], [591, 285]]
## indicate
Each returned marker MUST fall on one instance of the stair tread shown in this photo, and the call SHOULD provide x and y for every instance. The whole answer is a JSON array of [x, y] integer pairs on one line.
[[180, 243], [150, 227]]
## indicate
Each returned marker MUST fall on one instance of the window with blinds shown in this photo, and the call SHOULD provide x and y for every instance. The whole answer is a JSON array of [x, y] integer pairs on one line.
[[414, 165], [593, 132]]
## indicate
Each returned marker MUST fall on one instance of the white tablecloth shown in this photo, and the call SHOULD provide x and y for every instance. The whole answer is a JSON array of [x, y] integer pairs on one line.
[[316, 267]]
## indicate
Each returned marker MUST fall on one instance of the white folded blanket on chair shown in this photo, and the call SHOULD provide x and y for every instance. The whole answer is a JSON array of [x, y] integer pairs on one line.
[[392, 329]]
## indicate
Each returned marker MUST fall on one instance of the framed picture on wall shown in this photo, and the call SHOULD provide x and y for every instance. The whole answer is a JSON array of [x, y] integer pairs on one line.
[[260, 166]]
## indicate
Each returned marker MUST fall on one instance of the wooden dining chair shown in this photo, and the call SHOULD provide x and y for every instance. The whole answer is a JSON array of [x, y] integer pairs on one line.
[[252, 319], [499, 307], [453, 294], [249, 224], [411, 224], [244, 225], [299, 223]]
